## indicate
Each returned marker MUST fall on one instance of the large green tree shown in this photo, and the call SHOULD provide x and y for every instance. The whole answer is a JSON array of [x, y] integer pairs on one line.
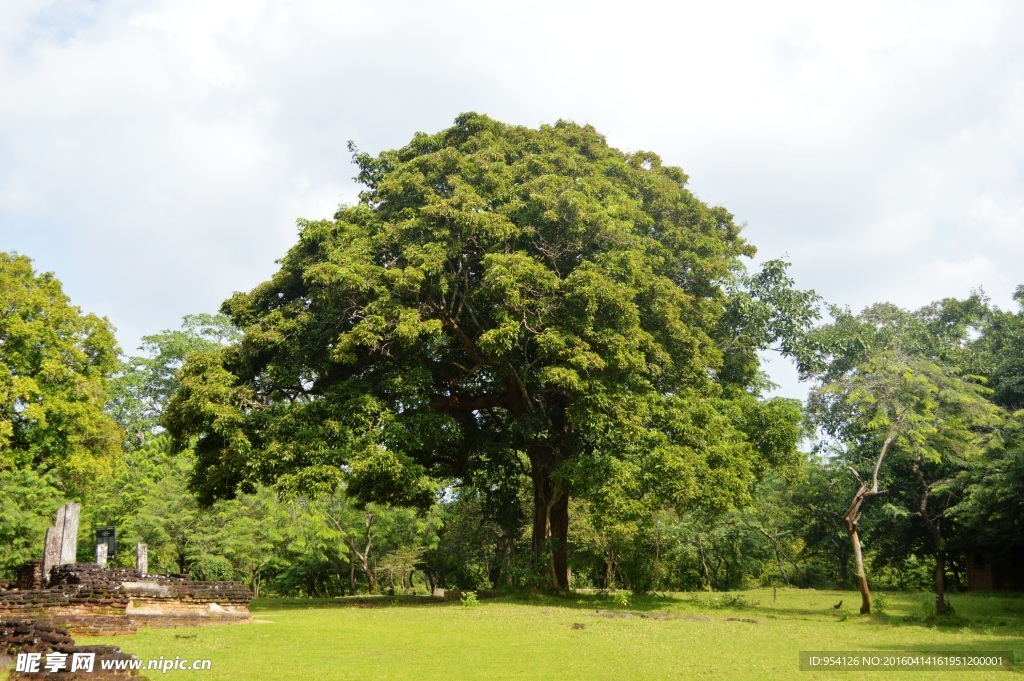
[[502, 300], [54, 366]]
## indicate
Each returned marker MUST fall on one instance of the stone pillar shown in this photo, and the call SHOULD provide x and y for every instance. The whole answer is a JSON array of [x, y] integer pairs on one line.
[[61, 544], [101, 554], [66, 524], [141, 559], [51, 552]]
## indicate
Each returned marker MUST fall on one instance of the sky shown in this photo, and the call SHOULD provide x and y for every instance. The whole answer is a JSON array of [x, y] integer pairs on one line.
[[155, 154]]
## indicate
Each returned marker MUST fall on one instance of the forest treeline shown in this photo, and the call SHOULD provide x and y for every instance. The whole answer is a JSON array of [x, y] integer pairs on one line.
[[791, 530], [523, 358]]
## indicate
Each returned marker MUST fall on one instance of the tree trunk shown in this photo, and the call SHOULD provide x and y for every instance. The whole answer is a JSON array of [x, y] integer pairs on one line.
[[609, 568], [364, 555], [183, 566], [774, 541], [940, 582], [842, 563], [852, 517], [371, 585], [935, 535], [657, 556], [862, 577], [550, 520], [494, 573], [704, 561]]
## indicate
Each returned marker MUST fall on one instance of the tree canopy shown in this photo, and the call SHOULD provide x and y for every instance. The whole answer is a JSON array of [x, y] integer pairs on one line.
[[54, 365], [895, 394], [501, 300], [144, 384]]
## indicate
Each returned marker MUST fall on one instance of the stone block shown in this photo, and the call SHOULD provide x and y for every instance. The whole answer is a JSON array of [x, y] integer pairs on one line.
[[67, 525], [51, 553], [142, 559]]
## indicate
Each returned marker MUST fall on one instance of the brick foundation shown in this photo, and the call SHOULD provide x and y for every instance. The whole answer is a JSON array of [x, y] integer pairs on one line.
[[33, 636], [92, 600]]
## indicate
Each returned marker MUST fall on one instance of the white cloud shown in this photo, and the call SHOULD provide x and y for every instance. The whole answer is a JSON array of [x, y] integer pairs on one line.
[[155, 153]]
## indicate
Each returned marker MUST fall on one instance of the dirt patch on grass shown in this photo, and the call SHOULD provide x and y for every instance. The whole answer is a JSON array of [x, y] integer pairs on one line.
[[627, 614]]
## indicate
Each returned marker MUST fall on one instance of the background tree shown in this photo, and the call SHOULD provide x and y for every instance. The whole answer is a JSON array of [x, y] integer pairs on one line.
[[145, 383], [154, 506], [54, 366], [895, 388], [480, 539], [533, 298], [991, 513], [818, 503], [999, 354], [27, 503]]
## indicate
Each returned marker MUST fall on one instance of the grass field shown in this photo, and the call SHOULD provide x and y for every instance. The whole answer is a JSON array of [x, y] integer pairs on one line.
[[533, 637]]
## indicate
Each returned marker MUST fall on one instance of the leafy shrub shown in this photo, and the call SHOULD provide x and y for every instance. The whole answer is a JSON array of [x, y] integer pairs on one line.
[[213, 568]]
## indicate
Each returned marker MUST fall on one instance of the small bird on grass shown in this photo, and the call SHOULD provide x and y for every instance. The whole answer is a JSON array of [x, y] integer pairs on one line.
[[838, 605]]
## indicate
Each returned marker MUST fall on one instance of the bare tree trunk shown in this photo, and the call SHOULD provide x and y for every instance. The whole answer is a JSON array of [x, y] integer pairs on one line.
[[364, 555], [852, 517], [704, 561], [862, 577], [934, 535], [774, 540]]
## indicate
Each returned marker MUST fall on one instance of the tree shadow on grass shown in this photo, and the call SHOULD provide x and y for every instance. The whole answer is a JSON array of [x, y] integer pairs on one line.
[[1003, 622], [364, 601]]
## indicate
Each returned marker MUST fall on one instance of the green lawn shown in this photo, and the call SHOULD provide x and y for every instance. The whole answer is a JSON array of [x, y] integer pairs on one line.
[[534, 638]]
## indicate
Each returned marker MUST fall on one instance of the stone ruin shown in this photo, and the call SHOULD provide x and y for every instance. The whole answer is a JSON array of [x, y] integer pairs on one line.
[[98, 601], [30, 636], [94, 599], [56, 597]]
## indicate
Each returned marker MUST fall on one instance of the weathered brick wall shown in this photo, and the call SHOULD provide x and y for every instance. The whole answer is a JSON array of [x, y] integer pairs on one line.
[[95, 600], [33, 636], [110, 601], [168, 587], [91, 575], [30, 576], [105, 616]]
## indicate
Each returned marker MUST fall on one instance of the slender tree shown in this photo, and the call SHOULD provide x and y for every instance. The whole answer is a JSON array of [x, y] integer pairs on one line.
[[896, 389]]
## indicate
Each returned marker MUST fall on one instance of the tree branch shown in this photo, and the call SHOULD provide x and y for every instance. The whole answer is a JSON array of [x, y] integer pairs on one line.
[[454, 403]]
